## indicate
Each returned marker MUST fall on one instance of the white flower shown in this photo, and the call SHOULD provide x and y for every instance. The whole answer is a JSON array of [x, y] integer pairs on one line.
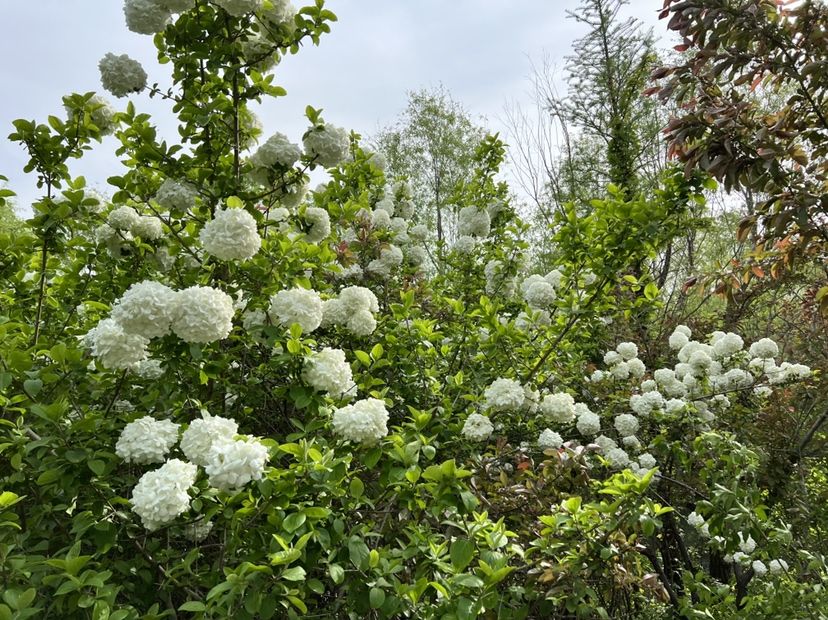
[[148, 369], [465, 244], [418, 232], [612, 357], [764, 349], [204, 314], [740, 557], [674, 406], [537, 292], [391, 258], [380, 219], [146, 308], [387, 205], [588, 423], [362, 422], [763, 391], [777, 566], [296, 305], [146, 440], [497, 280], [237, 8], [646, 460], [678, 340], [559, 407], [328, 371], [504, 395], [231, 235], [549, 439], [146, 16], [278, 12], [477, 427], [747, 545], [148, 228], [620, 371], [597, 376], [327, 145], [618, 458], [177, 6], [683, 329], [277, 150], [176, 196], [200, 435], [637, 368], [415, 255], [605, 443], [626, 424], [627, 350], [102, 115], [695, 519], [727, 344], [473, 222], [123, 218], [116, 348], [320, 224], [759, 568], [232, 463], [161, 495], [121, 75], [199, 530], [631, 442]]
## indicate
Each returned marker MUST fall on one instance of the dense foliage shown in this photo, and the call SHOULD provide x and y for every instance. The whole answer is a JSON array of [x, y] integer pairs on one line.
[[224, 394]]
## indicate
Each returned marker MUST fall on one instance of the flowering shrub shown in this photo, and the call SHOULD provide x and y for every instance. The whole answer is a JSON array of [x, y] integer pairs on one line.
[[227, 395]]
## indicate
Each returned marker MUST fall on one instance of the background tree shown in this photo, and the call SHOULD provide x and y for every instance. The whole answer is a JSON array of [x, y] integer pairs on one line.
[[432, 145]]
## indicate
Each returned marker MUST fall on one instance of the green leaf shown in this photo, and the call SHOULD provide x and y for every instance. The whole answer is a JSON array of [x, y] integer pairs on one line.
[[294, 573], [462, 552], [363, 357], [193, 606], [376, 597], [337, 573], [377, 351], [294, 521], [32, 387], [356, 488]]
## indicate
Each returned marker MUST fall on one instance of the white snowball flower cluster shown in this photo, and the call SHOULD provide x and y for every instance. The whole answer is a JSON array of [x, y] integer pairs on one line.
[[538, 291], [644, 404], [148, 227], [694, 519], [465, 244], [627, 350], [626, 424], [278, 12], [147, 308], [778, 566], [161, 495], [115, 347], [176, 196], [197, 441], [146, 16], [232, 463], [296, 305], [415, 256], [558, 407], [587, 423], [477, 427], [726, 345], [199, 530], [237, 8], [277, 150], [759, 568], [146, 440], [549, 439], [380, 219], [418, 232], [102, 115], [365, 421], [231, 235], [148, 369], [497, 280], [504, 395], [680, 337], [204, 314], [391, 257], [618, 458], [123, 218], [747, 545], [354, 309], [386, 204], [474, 222], [320, 224], [121, 75], [327, 145], [328, 371], [764, 348]]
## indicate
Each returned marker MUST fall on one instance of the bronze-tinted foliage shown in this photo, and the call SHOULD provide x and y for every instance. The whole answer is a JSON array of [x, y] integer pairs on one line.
[[734, 50]]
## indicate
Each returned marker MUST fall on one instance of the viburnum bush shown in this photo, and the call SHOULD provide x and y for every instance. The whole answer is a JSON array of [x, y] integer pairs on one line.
[[225, 394]]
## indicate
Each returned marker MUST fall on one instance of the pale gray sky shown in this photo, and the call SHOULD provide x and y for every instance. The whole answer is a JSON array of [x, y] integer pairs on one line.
[[480, 50]]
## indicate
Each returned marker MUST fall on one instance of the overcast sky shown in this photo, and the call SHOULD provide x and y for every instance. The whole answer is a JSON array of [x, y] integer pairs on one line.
[[480, 50]]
